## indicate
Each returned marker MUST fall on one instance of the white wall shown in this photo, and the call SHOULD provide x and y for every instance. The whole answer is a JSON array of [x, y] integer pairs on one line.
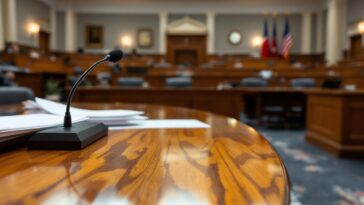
[[249, 26], [313, 33], [191, 6], [355, 10], [60, 31], [116, 25], [31, 10]]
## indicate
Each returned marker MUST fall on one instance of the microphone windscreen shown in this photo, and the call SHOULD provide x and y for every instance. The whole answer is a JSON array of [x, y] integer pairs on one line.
[[115, 55]]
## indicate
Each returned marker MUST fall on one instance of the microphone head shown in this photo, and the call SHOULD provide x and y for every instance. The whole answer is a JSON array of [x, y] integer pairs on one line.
[[115, 55]]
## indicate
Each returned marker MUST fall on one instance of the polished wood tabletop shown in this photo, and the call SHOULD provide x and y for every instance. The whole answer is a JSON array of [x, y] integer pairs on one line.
[[229, 163]]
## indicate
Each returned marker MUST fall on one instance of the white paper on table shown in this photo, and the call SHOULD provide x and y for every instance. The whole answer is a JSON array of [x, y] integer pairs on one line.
[[31, 105], [163, 124], [28, 123], [119, 122], [105, 119], [59, 109]]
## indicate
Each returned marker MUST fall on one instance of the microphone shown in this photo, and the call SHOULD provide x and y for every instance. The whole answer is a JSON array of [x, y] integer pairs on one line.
[[78, 135], [113, 56]]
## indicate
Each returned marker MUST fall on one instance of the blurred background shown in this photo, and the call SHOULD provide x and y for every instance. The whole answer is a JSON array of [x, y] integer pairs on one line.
[[249, 60]]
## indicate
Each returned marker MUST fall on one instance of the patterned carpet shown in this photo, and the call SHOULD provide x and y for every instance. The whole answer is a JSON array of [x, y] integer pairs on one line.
[[318, 177]]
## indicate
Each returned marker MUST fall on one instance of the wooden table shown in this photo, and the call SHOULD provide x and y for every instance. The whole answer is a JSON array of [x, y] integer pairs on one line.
[[335, 121], [229, 163]]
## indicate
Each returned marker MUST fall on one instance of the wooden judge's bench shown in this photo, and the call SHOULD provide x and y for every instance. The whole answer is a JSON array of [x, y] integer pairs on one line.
[[335, 121]]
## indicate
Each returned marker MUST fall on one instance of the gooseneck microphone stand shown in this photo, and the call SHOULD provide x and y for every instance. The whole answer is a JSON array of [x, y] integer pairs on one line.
[[67, 117], [73, 136]]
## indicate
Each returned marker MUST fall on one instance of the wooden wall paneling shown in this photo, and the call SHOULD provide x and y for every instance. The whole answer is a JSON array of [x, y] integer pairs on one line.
[[34, 81], [325, 116], [225, 102], [353, 120]]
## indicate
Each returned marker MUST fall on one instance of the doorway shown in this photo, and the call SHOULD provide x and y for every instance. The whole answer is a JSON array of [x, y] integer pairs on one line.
[[44, 42], [187, 50], [356, 46]]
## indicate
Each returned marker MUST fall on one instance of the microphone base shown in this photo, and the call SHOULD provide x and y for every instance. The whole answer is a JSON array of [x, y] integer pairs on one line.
[[77, 137]]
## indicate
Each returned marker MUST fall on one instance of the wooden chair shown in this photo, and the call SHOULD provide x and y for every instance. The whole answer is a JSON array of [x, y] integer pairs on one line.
[[303, 83], [296, 109], [269, 111], [104, 78]]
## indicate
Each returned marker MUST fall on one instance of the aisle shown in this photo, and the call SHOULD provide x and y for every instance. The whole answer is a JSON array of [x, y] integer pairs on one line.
[[318, 177]]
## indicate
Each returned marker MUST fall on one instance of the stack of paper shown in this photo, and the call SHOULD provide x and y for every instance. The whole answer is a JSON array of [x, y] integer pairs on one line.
[[116, 119], [24, 124], [108, 117]]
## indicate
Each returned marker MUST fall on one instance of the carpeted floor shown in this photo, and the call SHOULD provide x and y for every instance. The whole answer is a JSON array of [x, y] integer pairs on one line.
[[318, 178]]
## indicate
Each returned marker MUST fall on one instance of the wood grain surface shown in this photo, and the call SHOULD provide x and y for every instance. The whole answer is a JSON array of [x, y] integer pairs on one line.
[[335, 121], [229, 163]]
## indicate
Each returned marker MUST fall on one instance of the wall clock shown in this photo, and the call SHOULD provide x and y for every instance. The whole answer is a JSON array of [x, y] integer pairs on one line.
[[235, 38]]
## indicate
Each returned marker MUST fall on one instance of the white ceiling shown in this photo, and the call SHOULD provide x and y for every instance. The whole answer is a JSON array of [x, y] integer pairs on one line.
[[190, 6]]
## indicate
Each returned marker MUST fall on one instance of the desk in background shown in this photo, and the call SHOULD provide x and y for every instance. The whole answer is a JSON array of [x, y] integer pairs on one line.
[[228, 102], [36, 80], [230, 163], [335, 121], [225, 102], [280, 77]]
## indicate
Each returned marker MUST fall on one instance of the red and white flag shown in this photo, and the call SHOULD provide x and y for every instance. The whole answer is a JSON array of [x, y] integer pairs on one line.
[[265, 46]]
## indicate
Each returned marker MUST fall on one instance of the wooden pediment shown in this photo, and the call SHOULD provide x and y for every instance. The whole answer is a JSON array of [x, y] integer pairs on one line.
[[187, 26]]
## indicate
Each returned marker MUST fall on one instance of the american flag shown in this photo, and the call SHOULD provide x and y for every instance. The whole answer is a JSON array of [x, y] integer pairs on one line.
[[287, 40]]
